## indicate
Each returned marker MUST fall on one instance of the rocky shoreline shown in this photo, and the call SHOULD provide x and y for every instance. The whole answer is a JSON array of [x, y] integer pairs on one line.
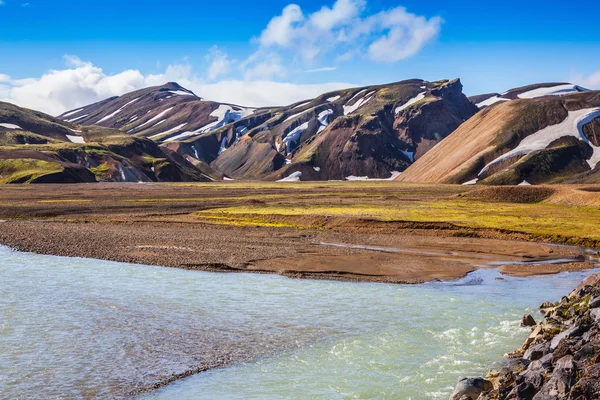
[[559, 360]]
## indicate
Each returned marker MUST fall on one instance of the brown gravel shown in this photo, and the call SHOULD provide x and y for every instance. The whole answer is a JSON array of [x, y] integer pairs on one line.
[[154, 224]]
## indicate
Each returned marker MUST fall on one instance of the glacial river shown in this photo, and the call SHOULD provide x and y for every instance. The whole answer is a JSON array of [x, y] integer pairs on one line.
[[79, 328]]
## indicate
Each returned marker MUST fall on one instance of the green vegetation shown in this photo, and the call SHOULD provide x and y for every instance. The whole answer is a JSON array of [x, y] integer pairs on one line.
[[25, 170], [557, 223]]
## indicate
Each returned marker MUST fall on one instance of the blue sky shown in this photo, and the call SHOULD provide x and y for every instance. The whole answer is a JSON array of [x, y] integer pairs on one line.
[[491, 46]]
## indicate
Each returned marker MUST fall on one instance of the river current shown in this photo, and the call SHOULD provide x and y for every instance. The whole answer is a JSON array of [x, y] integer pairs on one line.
[[81, 328]]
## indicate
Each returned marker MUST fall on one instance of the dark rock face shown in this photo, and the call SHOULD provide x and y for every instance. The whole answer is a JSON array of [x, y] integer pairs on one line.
[[561, 357]]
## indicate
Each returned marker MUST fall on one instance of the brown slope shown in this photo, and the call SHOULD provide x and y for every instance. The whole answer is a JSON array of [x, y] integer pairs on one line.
[[496, 130]]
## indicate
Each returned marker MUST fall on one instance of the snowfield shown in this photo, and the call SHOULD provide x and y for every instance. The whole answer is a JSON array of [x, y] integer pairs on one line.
[[571, 126], [410, 102], [334, 98], [552, 91]]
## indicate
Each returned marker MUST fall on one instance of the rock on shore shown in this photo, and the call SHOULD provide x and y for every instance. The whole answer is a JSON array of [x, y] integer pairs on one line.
[[559, 360]]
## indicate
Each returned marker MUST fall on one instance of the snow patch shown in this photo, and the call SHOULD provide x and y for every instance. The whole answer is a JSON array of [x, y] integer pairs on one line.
[[118, 111], [10, 126], [178, 127], [223, 145], [225, 115], [334, 98], [356, 95], [77, 118], [471, 182], [225, 178], [490, 101], [291, 139], [294, 177], [72, 112], [552, 91], [571, 126], [410, 102], [318, 169], [76, 139], [181, 93], [323, 119], [524, 183], [350, 109], [395, 174], [157, 117], [301, 104]]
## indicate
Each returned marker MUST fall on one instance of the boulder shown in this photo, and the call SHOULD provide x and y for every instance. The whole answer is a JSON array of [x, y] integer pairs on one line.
[[595, 303], [569, 333], [538, 351], [471, 388], [591, 280], [528, 321]]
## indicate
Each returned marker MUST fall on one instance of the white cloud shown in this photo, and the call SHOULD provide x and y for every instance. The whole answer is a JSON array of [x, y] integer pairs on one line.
[[591, 81], [82, 83], [406, 34], [220, 64], [323, 69], [387, 36]]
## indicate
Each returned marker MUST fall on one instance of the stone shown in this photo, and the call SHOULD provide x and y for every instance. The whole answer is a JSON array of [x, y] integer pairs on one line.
[[595, 313], [471, 388], [547, 304], [565, 375], [537, 351], [591, 280], [595, 303], [528, 321], [569, 333], [526, 391]]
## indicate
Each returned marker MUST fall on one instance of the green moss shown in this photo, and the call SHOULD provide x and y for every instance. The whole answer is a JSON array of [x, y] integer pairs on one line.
[[25, 170]]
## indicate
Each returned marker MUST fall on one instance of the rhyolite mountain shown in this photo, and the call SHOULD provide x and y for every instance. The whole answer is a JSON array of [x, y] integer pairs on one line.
[[375, 131], [547, 133], [38, 148]]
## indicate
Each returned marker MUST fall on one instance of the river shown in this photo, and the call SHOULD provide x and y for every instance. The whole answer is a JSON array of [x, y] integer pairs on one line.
[[81, 328]]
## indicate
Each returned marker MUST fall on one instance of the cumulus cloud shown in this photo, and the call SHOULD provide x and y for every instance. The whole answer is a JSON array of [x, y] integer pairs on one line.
[[343, 29], [82, 83], [591, 81], [220, 64]]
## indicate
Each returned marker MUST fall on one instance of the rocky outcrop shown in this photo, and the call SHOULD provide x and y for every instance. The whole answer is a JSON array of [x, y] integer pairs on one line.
[[560, 360]]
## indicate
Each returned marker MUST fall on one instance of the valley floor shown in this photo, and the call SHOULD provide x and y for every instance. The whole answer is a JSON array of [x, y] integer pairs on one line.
[[361, 231]]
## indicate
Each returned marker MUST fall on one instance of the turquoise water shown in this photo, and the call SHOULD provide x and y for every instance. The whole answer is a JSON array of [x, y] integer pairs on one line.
[[78, 328]]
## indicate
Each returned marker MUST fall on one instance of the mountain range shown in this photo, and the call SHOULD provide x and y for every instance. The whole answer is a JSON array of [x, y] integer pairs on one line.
[[414, 130]]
